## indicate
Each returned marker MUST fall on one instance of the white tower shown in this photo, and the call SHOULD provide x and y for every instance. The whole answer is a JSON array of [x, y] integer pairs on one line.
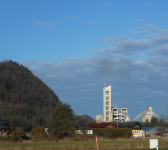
[[107, 104]]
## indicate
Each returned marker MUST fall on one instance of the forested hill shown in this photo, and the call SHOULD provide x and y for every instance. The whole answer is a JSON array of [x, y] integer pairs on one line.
[[25, 101]]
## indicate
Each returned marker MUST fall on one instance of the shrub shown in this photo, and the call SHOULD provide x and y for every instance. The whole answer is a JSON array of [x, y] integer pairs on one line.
[[18, 136], [38, 130], [113, 132]]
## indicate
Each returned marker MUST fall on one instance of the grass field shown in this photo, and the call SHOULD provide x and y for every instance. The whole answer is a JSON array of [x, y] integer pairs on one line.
[[103, 145]]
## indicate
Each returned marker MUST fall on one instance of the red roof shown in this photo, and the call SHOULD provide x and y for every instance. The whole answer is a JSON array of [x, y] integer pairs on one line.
[[99, 125]]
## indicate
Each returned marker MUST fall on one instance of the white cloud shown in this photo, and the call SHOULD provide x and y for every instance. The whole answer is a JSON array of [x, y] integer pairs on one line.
[[164, 19], [154, 41], [134, 81]]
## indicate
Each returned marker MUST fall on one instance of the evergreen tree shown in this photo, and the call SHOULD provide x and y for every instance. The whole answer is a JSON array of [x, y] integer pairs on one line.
[[154, 121], [62, 119]]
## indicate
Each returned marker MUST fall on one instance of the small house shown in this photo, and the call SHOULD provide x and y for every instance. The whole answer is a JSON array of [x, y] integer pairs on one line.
[[84, 130]]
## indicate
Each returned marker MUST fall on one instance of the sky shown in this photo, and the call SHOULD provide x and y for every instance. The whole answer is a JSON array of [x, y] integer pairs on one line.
[[77, 46]]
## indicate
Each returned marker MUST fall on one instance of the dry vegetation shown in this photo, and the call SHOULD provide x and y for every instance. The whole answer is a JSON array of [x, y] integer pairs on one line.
[[81, 143]]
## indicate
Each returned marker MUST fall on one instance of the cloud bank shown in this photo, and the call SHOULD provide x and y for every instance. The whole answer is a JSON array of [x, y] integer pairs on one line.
[[136, 68]]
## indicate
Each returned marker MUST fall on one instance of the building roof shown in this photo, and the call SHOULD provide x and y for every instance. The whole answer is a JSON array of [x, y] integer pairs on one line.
[[85, 128], [126, 124], [99, 125], [147, 128]]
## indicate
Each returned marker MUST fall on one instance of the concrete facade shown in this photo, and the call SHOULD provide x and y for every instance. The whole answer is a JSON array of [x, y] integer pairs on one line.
[[119, 114], [107, 104], [99, 118]]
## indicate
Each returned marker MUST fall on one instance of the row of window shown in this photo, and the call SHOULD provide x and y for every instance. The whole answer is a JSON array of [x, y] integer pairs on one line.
[[83, 131], [136, 131], [107, 103]]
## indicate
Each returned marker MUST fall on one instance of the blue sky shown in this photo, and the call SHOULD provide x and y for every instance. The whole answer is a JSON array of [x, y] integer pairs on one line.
[[77, 46]]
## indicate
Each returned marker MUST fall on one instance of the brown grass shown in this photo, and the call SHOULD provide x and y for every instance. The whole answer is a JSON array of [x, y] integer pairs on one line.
[[130, 143]]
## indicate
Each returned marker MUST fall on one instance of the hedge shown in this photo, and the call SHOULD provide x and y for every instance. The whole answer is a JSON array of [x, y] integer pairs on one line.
[[113, 132]]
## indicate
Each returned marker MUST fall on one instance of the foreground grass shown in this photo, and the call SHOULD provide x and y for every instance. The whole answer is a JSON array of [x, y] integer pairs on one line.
[[5, 138], [140, 145]]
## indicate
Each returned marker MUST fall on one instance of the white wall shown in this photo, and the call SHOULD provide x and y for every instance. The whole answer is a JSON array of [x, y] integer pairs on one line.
[[83, 131]]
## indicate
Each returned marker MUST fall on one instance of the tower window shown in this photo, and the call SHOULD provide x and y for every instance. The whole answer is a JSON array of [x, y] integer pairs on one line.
[[107, 103], [107, 118], [107, 107], [107, 92], [107, 98], [107, 112]]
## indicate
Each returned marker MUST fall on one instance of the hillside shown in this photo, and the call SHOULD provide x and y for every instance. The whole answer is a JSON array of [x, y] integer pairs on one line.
[[25, 101], [83, 120]]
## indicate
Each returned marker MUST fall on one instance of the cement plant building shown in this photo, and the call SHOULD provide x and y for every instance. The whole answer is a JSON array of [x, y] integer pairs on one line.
[[114, 113], [111, 113]]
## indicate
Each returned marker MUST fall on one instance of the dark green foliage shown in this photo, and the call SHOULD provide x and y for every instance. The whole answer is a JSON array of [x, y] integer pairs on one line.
[[38, 130], [62, 119], [25, 101], [113, 132], [152, 123]]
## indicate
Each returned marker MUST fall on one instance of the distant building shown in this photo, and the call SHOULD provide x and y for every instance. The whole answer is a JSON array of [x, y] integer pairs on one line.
[[84, 130], [149, 131], [137, 133], [134, 125], [148, 115], [119, 114], [107, 104], [99, 118], [111, 113]]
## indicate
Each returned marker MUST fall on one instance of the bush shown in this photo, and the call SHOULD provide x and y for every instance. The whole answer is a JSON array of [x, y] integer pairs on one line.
[[38, 130], [113, 132], [18, 136], [15, 138]]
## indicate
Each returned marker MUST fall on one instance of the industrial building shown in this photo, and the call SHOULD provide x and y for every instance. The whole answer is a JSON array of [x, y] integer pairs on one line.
[[107, 104], [111, 113], [146, 115], [114, 113], [119, 114]]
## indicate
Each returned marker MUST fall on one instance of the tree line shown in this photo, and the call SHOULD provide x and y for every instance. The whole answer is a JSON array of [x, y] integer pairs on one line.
[[161, 121], [25, 101]]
